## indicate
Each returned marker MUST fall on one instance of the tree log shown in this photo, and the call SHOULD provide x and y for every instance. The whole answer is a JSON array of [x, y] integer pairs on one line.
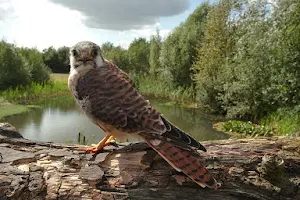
[[260, 168]]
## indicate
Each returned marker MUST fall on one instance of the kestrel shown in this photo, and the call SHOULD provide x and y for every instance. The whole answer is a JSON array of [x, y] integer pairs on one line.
[[110, 99]]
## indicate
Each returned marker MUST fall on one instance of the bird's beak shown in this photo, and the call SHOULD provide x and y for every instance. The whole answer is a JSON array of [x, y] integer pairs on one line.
[[84, 56]]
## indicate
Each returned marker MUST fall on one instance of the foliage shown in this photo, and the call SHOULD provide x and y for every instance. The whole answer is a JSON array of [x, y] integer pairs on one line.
[[117, 55], [212, 56], [138, 55], [14, 70], [286, 121], [35, 91], [155, 46], [57, 60], [178, 51], [247, 128], [38, 70], [151, 86], [248, 61], [12, 109]]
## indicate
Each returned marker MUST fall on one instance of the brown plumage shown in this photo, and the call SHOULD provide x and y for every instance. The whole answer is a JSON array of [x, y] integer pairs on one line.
[[109, 98]]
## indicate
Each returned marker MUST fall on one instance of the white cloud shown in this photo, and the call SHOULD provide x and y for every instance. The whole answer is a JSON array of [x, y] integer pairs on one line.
[[41, 23], [124, 14]]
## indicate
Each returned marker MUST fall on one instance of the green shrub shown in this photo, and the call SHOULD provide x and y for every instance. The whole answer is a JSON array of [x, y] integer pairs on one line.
[[39, 72], [286, 121], [13, 68], [247, 128]]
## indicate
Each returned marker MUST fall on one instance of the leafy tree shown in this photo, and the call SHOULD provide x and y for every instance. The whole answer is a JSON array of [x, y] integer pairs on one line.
[[107, 47], [138, 54], [50, 58], [248, 62], [285, 40], [63, 59], [57, 60], [39, 72], [118, 56], [248, 90], [178, 51], [155, 46], [13, 68], [212, 55]]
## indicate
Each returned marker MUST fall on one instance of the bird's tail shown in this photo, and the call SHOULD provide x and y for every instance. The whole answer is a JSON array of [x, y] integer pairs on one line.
[[183, 160]]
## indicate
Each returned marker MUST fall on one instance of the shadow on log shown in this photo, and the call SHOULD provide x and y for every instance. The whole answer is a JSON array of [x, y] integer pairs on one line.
[[267, 168]]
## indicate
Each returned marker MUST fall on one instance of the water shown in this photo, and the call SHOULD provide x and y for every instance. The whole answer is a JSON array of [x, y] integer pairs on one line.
[[60, 120]]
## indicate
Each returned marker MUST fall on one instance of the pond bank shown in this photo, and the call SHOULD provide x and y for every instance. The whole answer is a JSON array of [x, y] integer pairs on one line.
[[8, 109]]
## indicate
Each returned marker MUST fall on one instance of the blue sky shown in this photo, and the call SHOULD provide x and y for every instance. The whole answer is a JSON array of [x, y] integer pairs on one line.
[[44, 23]]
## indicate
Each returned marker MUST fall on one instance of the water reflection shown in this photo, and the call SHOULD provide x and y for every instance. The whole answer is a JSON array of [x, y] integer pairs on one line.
[[60, 120]]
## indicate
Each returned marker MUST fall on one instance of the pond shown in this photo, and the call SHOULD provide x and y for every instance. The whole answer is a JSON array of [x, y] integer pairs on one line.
[[60, 120]]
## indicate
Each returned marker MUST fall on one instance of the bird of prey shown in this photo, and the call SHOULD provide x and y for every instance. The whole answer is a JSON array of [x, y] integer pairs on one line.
[[110, 99]]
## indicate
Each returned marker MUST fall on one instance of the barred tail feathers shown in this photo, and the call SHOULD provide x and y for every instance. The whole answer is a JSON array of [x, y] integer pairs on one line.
[[184, 161]]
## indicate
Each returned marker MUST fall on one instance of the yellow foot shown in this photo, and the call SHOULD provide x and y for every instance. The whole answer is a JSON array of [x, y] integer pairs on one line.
[[106, 141], [89, 149]]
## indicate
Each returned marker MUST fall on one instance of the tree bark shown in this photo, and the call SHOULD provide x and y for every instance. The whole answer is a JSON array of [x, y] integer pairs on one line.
[[260, 168]]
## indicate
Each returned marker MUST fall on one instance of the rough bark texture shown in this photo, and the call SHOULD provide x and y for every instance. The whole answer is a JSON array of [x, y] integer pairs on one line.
[[267, 168]]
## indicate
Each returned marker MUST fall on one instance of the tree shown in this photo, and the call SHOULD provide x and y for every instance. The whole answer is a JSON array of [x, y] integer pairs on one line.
[[39, 72], [178, 51], [13, 68], [117, 55], [155, 46], [212, 55], [107, 47], [63, 59], [50, 58], [138, 54], [57, 60]]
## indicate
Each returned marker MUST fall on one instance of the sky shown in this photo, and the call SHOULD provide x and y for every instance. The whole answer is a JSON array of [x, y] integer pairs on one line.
[[45, 23]]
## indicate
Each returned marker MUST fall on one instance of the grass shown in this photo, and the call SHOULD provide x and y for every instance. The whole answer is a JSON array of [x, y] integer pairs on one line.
[[286, 121], [241, 129], [157, 88], [12, 100], [12, 109], [58, 86], [283, 122], [59, 77]]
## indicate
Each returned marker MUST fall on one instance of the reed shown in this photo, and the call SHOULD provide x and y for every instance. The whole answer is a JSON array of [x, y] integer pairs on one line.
[[35, 91]]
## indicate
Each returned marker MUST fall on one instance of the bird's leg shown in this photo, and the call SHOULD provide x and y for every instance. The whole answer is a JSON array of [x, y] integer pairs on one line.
[[111, 141], [107, 140]]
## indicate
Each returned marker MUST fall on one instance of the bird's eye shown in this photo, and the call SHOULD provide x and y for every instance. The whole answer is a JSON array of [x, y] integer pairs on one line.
[[74, 52], [94, 53]]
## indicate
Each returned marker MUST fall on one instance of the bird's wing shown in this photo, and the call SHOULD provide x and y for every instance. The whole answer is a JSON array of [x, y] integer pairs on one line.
[[107, 95], [120, 72]]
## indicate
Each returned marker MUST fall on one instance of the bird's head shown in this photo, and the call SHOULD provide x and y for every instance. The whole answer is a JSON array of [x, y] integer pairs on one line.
[[84, 54]]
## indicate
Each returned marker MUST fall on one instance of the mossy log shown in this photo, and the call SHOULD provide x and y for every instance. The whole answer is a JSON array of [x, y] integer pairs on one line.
[[265, 168]]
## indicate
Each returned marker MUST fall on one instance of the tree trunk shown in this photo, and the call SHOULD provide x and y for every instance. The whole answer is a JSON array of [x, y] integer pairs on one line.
[[264, 168]]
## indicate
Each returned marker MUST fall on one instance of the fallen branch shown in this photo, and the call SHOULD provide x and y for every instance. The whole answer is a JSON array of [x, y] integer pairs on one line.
[[267, 168]]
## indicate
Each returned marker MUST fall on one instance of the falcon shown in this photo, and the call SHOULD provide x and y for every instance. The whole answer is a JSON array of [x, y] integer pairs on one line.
[[109, 98]]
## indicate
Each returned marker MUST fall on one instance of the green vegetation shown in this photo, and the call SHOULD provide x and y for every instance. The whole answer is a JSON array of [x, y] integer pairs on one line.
[[246, 129], [11, 109], [35, 91], [57, 59], [236, 58], [155, 87], [21, 66], [286, 121], [248, 61]]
